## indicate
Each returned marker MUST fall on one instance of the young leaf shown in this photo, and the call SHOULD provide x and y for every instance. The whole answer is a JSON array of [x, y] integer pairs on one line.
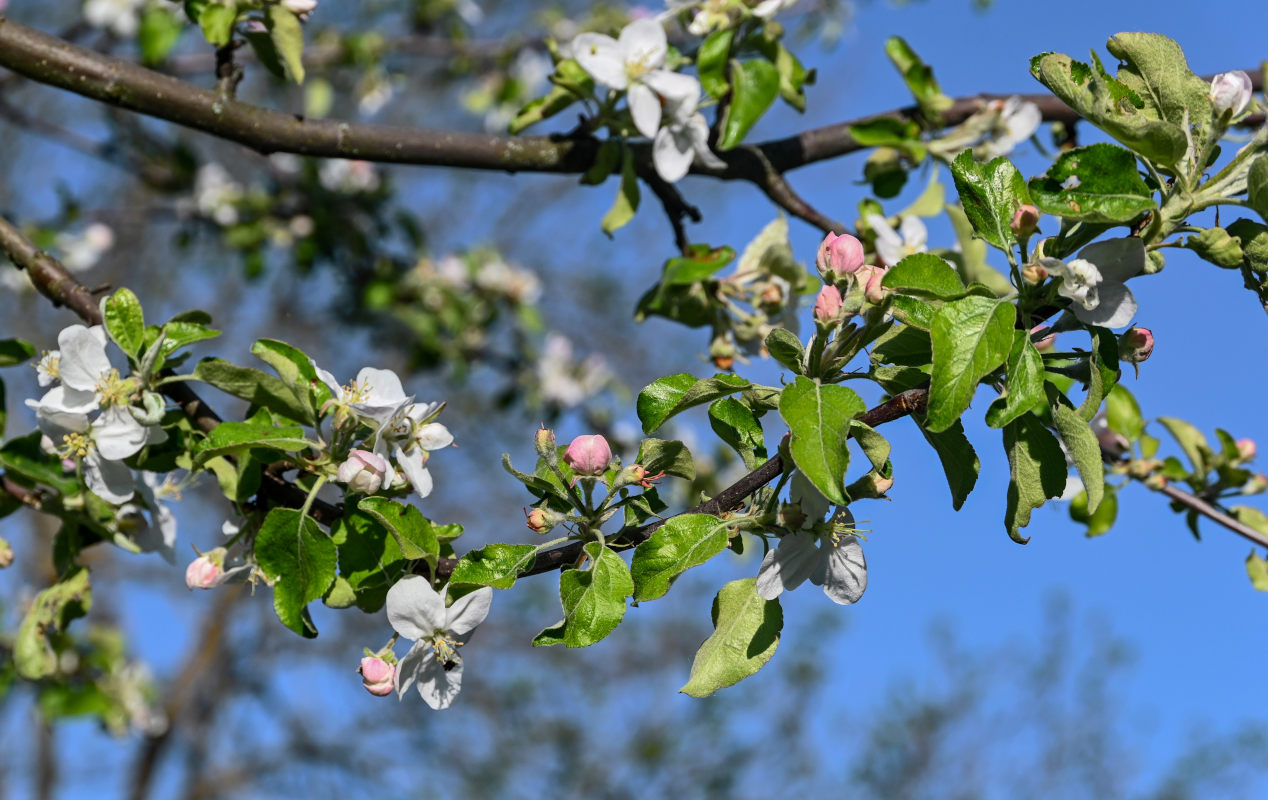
[[971, 337], [15, 351], [1103, 518], [287, 34], [157, 34], [1154, 67], [256, 387], [414, 533], [669, 457], [1085, 451], [626, 203], [711, 62], [683, 542], [1257, 571], [991, 194], [50, 613], [216, 20], [754, 86], [496, 565], [293, 550], [1122, 414], [959, 459], [121, 313], [1257, 185], [699, 263], [1024, 384], [1191, 441], [1036, 469], [1102, 371], [785, 347], [1096, 184], [737, 425], [746, 632], [234, 437], [593, 598], [924, 275], [665, 397], [819, 418]]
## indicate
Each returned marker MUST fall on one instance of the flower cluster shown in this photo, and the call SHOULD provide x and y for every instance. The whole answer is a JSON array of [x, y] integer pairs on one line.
[[402, 433], [848, 281]]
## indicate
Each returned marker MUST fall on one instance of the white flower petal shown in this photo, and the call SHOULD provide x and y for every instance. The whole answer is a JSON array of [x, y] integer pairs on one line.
[[469, 611], [382, 392], [802, 492], [681, 93], [889, 245], [83, 360], [410, 668], [844, 573], [65, 400], [1116, 308], [915, 234], [699, 131], [415, 610], [117, 434], [644, 44], [644, 108], [671, 156], [412, 464], [327, 378], [602, 57], [438, 686], [110, 480], [787, 566], [1116, 259], [433, 436]]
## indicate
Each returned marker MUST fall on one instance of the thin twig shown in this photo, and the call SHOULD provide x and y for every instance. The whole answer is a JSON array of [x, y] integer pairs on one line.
[[1212, 513]]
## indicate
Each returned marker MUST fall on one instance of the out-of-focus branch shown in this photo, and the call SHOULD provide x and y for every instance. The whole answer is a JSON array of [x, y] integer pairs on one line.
[[1212, 513]]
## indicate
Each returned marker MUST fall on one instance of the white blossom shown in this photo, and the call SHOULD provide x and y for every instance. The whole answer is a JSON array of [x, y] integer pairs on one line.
[[1231, 91], [562, 379], [81, 251], [158, 534], [121, 17], [101, 443], [1096, 281], [348, 176], [417, 612], [411, 434], [376, 394], [833, 560], [685, 137], [893, 246], [1016, 122], [216, 194]]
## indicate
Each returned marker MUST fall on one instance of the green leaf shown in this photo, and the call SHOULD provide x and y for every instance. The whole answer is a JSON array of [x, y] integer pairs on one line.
[[1257, 185], [370, 560], [627, 196], [711, 62], [683, 542], [700, 262], [1122, 414], [257, 387], [15, 351], [754, 86], [414, 533], [496, 565], [991, 194], [924, 275], [793, 77], [1106, 513], [746, 632], [1085, 451], [593, 599], [971, 259], [1216, 246], [737, 425], [665, 397], [959, 459], [818, 417], [904, 345], [234, 437], [900, 134], [1191, 441], [1096, 184], [1024, 386], [157, 34], [971, 337], [295, 369], [1102, 370], [572, 83], [1110, 105], [216, 20], [292, 550], [919, 77], [1257, 571], [1037, 471], [178, 334], [1154, 67], [785, 347], [25, 461], [287, 34], [1254, 240], [669, 457], [121, 313], [50, 613]]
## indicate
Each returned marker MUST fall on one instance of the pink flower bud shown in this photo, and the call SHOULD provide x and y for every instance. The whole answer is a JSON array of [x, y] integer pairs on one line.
[[882, 484], [828, 304], [542, 520], [1025, 221], [839, 254], [872, 285], [1246, 449], [1034, 274], [1231, 91], [363, 471], [378, 676], [205, 572], [588, 455], [1136, 345]]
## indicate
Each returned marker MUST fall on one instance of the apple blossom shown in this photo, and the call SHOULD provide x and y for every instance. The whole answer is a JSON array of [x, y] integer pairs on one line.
[[833, 560], [158, 535], [418, 612], [122, 17], [363, 471], [632, 62], [101, 444], [684, 138], [1016, 122], [588, 455], [375, 395], [839, 254], [47, 369], [1096, 281], [1136, 345], [6, 554], [206, 571], [872, 289], [543, 520], [893, 246], [300, 8], [1231, 92], [828, 304], [410, 434], [378, 676], [81, 251]]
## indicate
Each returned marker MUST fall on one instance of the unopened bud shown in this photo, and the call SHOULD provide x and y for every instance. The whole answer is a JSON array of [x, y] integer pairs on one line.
[[1246, 449], [1025, 221], [839, 254], [378, 676], [882, 484], [1155, 481], [1231, 92], [542, 520], [363, 471], [828, 304], [1034, 274], [589, 455], [544, 443], [772, 297], [1136, 345], [872, 289], [205, 571], [1256, 485]]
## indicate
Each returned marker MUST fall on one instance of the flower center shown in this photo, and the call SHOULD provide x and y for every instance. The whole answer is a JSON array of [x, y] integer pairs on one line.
[[446, 649], [50, 364], [356, 392], [113, 390], [76, 445]]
